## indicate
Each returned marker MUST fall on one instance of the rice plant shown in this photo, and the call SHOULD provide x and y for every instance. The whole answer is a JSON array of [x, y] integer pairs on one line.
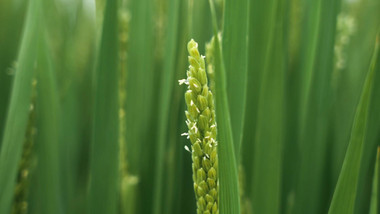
[[277, 111]]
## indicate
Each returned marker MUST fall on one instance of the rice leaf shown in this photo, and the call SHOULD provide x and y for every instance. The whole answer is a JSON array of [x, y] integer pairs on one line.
[[18, 113], [164, 105], [267, 153], [11, 22], [235, 55], [345, 192], [47, 139], [229, 200], [315, 103], [354, 64], [142, 98], [374, 207], [258, 41], [103, 192]]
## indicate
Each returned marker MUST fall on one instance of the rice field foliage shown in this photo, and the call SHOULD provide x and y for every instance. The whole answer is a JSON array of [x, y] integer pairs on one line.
[[92, 118]]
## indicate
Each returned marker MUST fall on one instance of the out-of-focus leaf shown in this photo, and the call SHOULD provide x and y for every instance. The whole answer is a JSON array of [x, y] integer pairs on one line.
[[164, 105], [375, 186], [345, 192], [17, 118], [104, 166]]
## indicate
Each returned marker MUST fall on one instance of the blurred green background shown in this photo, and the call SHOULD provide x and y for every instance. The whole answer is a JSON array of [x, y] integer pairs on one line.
[[103, 133]]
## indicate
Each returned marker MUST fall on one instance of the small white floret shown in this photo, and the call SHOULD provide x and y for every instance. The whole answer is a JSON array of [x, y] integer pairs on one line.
[[183, 81], [187, 149]]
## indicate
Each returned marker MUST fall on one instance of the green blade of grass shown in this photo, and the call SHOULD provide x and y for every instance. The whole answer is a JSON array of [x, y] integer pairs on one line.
[[345, 192], [316, 72], [362, 203], [374, 206], [164, 105], [349, 84], [229, 200], [258, 40], [47, 151], [11, 22], [290, 161], [18, 111], [267, 153], [141, 100], [184, 191], [235, 53], [103, 192]]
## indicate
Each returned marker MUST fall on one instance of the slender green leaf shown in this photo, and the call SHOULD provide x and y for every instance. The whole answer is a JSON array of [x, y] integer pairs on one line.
[[103, 193], [315, 104], [292, 16], [228, 186], [18, 112], [164, 105], [375, 186], [47, 150], [184, 191], [372, 140], [345, 192], [142, 99], [11, 22], [267, 154], [235, 53], [258, 41]]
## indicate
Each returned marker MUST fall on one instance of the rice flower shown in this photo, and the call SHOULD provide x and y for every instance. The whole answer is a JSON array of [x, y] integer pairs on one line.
[[201, 123]]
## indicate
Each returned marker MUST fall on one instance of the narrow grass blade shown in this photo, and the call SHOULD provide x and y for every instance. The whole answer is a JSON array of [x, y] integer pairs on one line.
[[315, 105], [363, 21], [164, 105], [15, 126], [229, 201], [141, 110], [103, 193], [374, 207], [47, 150], [372, 140], [235, 53], [292, 17], [183, 185], [141, 106], [267, 153], [258, 40], [11, 22], [345, 192]]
